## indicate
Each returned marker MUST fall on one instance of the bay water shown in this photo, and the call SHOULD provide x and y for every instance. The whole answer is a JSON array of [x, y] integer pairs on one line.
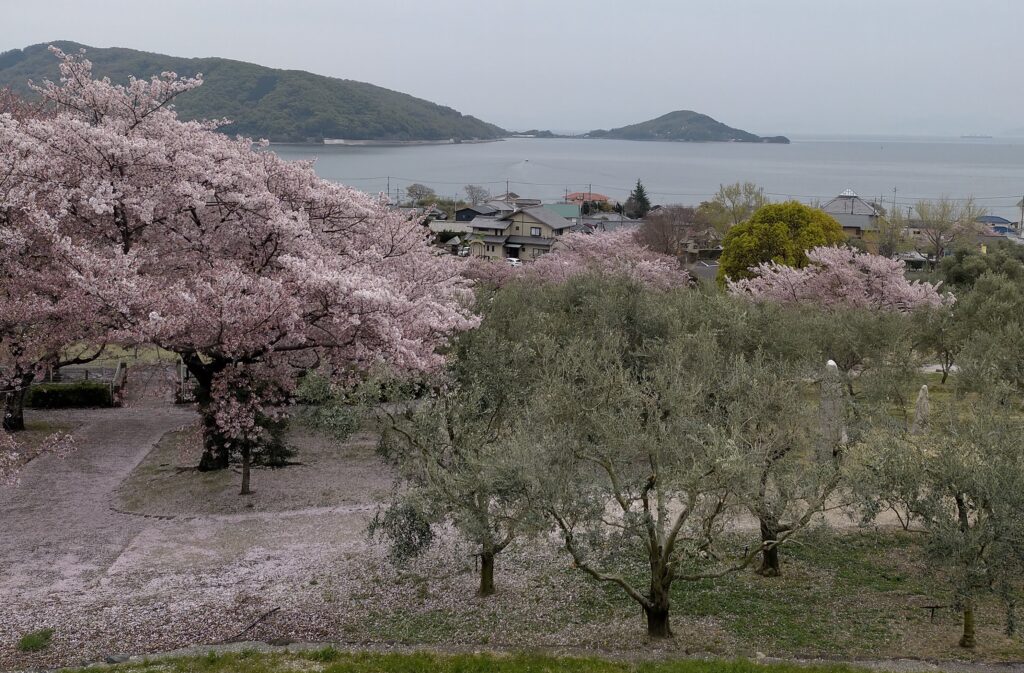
[[808, 169]]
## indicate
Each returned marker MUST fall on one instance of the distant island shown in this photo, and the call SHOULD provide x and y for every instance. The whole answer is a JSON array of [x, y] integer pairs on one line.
[[684, 126], [679, 126], [261, 102]]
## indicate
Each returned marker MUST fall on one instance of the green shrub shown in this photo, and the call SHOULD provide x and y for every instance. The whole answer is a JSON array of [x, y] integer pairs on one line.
[[69, 395], [35, 641]]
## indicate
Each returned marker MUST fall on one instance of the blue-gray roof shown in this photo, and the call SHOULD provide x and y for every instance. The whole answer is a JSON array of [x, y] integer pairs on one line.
[[992, 219]]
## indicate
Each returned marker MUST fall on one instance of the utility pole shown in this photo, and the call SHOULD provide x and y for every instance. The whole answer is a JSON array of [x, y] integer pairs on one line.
[[1020, 226], [894, 200], [389, 187]]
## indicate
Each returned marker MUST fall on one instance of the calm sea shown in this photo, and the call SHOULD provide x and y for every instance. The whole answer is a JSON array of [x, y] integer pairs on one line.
[[991, 170]]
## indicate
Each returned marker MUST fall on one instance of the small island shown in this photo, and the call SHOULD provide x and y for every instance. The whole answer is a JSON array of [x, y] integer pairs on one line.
[[684, 126]]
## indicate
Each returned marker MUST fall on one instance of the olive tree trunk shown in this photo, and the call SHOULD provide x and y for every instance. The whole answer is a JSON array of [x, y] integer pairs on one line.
[[486, 574], [657, 609], [770, 566], [968, 639]]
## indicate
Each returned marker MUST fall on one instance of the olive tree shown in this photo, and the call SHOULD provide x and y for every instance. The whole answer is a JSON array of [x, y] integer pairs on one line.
[[984, 316], [453, 448], [649, 431], [961, 475]]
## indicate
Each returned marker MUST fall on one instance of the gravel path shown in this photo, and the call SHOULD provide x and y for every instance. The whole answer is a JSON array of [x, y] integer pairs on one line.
[[58, 531], [111, 582]]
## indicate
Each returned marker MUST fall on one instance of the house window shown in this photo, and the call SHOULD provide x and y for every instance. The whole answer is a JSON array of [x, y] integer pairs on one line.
[[534, 231], [490, 248]]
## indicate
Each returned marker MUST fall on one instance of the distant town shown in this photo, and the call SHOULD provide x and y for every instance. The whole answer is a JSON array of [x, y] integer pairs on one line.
[[520, 228]]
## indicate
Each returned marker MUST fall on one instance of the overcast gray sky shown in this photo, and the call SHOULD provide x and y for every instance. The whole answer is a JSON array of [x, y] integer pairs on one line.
[[769, 66]]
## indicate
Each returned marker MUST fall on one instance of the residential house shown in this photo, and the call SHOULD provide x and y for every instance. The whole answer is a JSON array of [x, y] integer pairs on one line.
[[570, 211], [858, 218], [586, 197], [468, 213], [608, 222], [441, 227], [525, 233], [999, 225], [502, 207]]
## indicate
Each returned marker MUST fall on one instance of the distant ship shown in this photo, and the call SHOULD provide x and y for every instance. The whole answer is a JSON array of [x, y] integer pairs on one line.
[[977, 137]]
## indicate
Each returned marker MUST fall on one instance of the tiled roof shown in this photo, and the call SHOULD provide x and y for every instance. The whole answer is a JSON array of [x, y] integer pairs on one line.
[[586, 196], [564, 209], [548, 217], [481, 209], [489, 223], [848, 203], [531, 240], [992, 219]]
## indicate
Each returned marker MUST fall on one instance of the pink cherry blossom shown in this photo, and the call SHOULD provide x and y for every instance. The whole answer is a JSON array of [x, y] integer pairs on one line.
[[841, 277], [171, 233], [609, 253]]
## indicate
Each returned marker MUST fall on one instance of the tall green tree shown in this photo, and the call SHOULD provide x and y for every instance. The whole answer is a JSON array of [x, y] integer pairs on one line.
[[777, 232], [638, 204]]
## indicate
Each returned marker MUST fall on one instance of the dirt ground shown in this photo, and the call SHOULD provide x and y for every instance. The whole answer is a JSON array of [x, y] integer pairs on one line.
[[122, 549]]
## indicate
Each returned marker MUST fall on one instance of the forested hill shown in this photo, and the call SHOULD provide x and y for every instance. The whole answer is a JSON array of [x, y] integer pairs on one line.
[[687, 126], [279, 105]]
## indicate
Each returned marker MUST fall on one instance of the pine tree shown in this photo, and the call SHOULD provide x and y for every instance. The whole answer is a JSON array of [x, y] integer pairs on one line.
[[638, 205]]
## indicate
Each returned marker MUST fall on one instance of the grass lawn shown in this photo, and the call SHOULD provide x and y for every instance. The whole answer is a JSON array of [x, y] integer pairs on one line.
[[332, 661]]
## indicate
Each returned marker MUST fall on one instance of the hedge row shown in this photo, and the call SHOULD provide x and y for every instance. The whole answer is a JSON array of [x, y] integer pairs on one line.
[[69, 395]]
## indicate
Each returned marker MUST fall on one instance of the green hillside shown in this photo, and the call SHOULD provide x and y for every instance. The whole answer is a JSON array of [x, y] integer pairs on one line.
[[685, 126], [279, 105]]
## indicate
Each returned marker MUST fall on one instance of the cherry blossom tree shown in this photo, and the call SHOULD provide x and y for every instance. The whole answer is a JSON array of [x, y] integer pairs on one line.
[[841, 277], [43, 313], [14, 105], [221, 252], [606, 253]]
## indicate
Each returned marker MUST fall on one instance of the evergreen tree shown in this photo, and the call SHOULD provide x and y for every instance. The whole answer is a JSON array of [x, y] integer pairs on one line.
[[638, 205]]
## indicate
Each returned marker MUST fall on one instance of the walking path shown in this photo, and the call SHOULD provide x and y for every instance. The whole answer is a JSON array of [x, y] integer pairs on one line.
[[110, 582], [58, 530]]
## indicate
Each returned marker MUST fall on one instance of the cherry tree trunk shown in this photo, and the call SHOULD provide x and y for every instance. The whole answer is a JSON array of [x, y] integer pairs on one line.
[[486, 574], [216, 455], [246, 465], [14, 405]]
